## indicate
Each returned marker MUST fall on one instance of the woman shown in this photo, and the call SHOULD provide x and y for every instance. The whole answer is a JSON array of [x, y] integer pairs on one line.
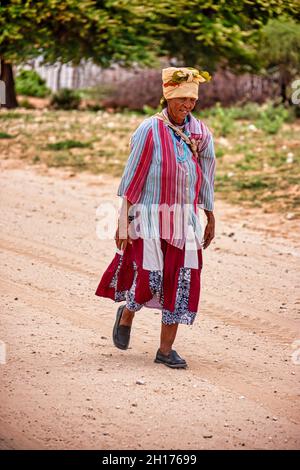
[[168, 176]]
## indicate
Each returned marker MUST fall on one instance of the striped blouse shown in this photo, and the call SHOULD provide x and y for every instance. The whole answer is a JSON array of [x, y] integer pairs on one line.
[[162, 170]]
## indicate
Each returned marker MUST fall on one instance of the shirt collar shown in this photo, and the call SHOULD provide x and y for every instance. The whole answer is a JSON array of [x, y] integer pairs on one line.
[[191, 124]]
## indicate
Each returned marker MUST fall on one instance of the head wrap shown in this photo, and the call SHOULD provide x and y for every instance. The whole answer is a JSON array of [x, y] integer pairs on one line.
[[182, 82]]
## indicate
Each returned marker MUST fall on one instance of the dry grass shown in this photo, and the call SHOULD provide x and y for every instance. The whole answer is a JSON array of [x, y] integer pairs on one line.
[[255, 168]]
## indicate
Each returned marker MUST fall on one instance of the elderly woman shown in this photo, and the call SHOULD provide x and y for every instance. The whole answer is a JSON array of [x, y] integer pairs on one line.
[[169, 175]]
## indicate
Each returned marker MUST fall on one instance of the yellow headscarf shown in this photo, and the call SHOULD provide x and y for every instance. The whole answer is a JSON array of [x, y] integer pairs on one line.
[[182, 82]]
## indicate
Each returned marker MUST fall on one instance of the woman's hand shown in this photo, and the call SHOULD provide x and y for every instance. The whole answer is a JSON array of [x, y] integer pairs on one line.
[[209, 233], [122, 236], [122, 242]]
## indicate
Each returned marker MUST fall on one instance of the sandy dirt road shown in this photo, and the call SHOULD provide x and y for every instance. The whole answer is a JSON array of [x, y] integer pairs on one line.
[[65, 386]]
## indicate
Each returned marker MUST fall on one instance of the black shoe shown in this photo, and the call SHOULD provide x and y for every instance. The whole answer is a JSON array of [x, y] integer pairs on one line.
[[171, 360], [121, 333]]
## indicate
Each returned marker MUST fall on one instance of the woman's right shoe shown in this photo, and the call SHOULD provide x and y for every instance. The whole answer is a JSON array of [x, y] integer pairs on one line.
[[172, 360], [121, 333]]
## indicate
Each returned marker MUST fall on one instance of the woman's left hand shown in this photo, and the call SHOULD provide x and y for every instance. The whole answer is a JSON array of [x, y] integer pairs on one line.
[[209, 233]]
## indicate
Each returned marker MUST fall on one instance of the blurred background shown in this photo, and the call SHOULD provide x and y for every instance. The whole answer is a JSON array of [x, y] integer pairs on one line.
[[79, 76]]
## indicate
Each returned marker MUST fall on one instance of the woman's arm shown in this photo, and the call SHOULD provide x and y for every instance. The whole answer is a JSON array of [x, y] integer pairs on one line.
[[209, 233], [207, 161], [122, 237], [134, 177], [138, 163]]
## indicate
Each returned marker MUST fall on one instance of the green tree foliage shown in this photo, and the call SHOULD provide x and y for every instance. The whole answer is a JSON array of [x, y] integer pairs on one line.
[[69, 30], [207, 32], [197, 32], [280, 50]]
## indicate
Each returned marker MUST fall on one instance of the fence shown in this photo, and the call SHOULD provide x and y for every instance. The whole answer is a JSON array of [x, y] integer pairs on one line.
[[143, 86], [85, 75]]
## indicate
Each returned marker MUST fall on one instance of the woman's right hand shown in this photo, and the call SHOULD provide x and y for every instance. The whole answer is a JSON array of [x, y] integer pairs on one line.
[[122, 242]]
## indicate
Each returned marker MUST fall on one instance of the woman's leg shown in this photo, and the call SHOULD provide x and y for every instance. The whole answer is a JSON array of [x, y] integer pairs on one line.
[[167, 337], [127, 317]]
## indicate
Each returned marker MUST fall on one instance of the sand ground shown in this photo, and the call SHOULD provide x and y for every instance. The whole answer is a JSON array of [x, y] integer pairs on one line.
[[65, 386]]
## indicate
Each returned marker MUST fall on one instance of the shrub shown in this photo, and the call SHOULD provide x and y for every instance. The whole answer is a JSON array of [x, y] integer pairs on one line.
[[29, 83], [10, 115], [67, 144], [4, 135], [249, 111], [98, 92], [149, 111], [296, 110], [272, 118], [94, 107], [65, 99], [221, 120], [25, 103]]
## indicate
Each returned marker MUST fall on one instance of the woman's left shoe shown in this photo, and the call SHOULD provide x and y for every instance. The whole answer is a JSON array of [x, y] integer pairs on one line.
[[172, 360], [121, 333]]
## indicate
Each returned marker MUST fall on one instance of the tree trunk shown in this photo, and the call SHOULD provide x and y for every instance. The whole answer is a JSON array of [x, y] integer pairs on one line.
[[285, 80], [283, 92], [58, 77], [7, 76]]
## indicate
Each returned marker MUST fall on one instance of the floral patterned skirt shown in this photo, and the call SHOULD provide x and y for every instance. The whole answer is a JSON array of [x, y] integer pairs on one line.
[[174, 289]]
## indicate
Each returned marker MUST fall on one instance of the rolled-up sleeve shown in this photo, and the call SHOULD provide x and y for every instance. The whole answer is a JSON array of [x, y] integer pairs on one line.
[[207, 161], [138, 163]]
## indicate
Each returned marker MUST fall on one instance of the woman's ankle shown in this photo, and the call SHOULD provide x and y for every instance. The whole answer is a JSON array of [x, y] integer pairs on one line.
[[127, 317], [165, 351]]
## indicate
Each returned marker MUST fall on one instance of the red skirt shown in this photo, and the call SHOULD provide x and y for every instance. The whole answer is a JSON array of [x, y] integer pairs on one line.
[[175, 289]]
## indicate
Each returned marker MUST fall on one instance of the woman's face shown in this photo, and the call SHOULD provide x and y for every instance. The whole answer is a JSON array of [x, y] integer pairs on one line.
[[179, 108]]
